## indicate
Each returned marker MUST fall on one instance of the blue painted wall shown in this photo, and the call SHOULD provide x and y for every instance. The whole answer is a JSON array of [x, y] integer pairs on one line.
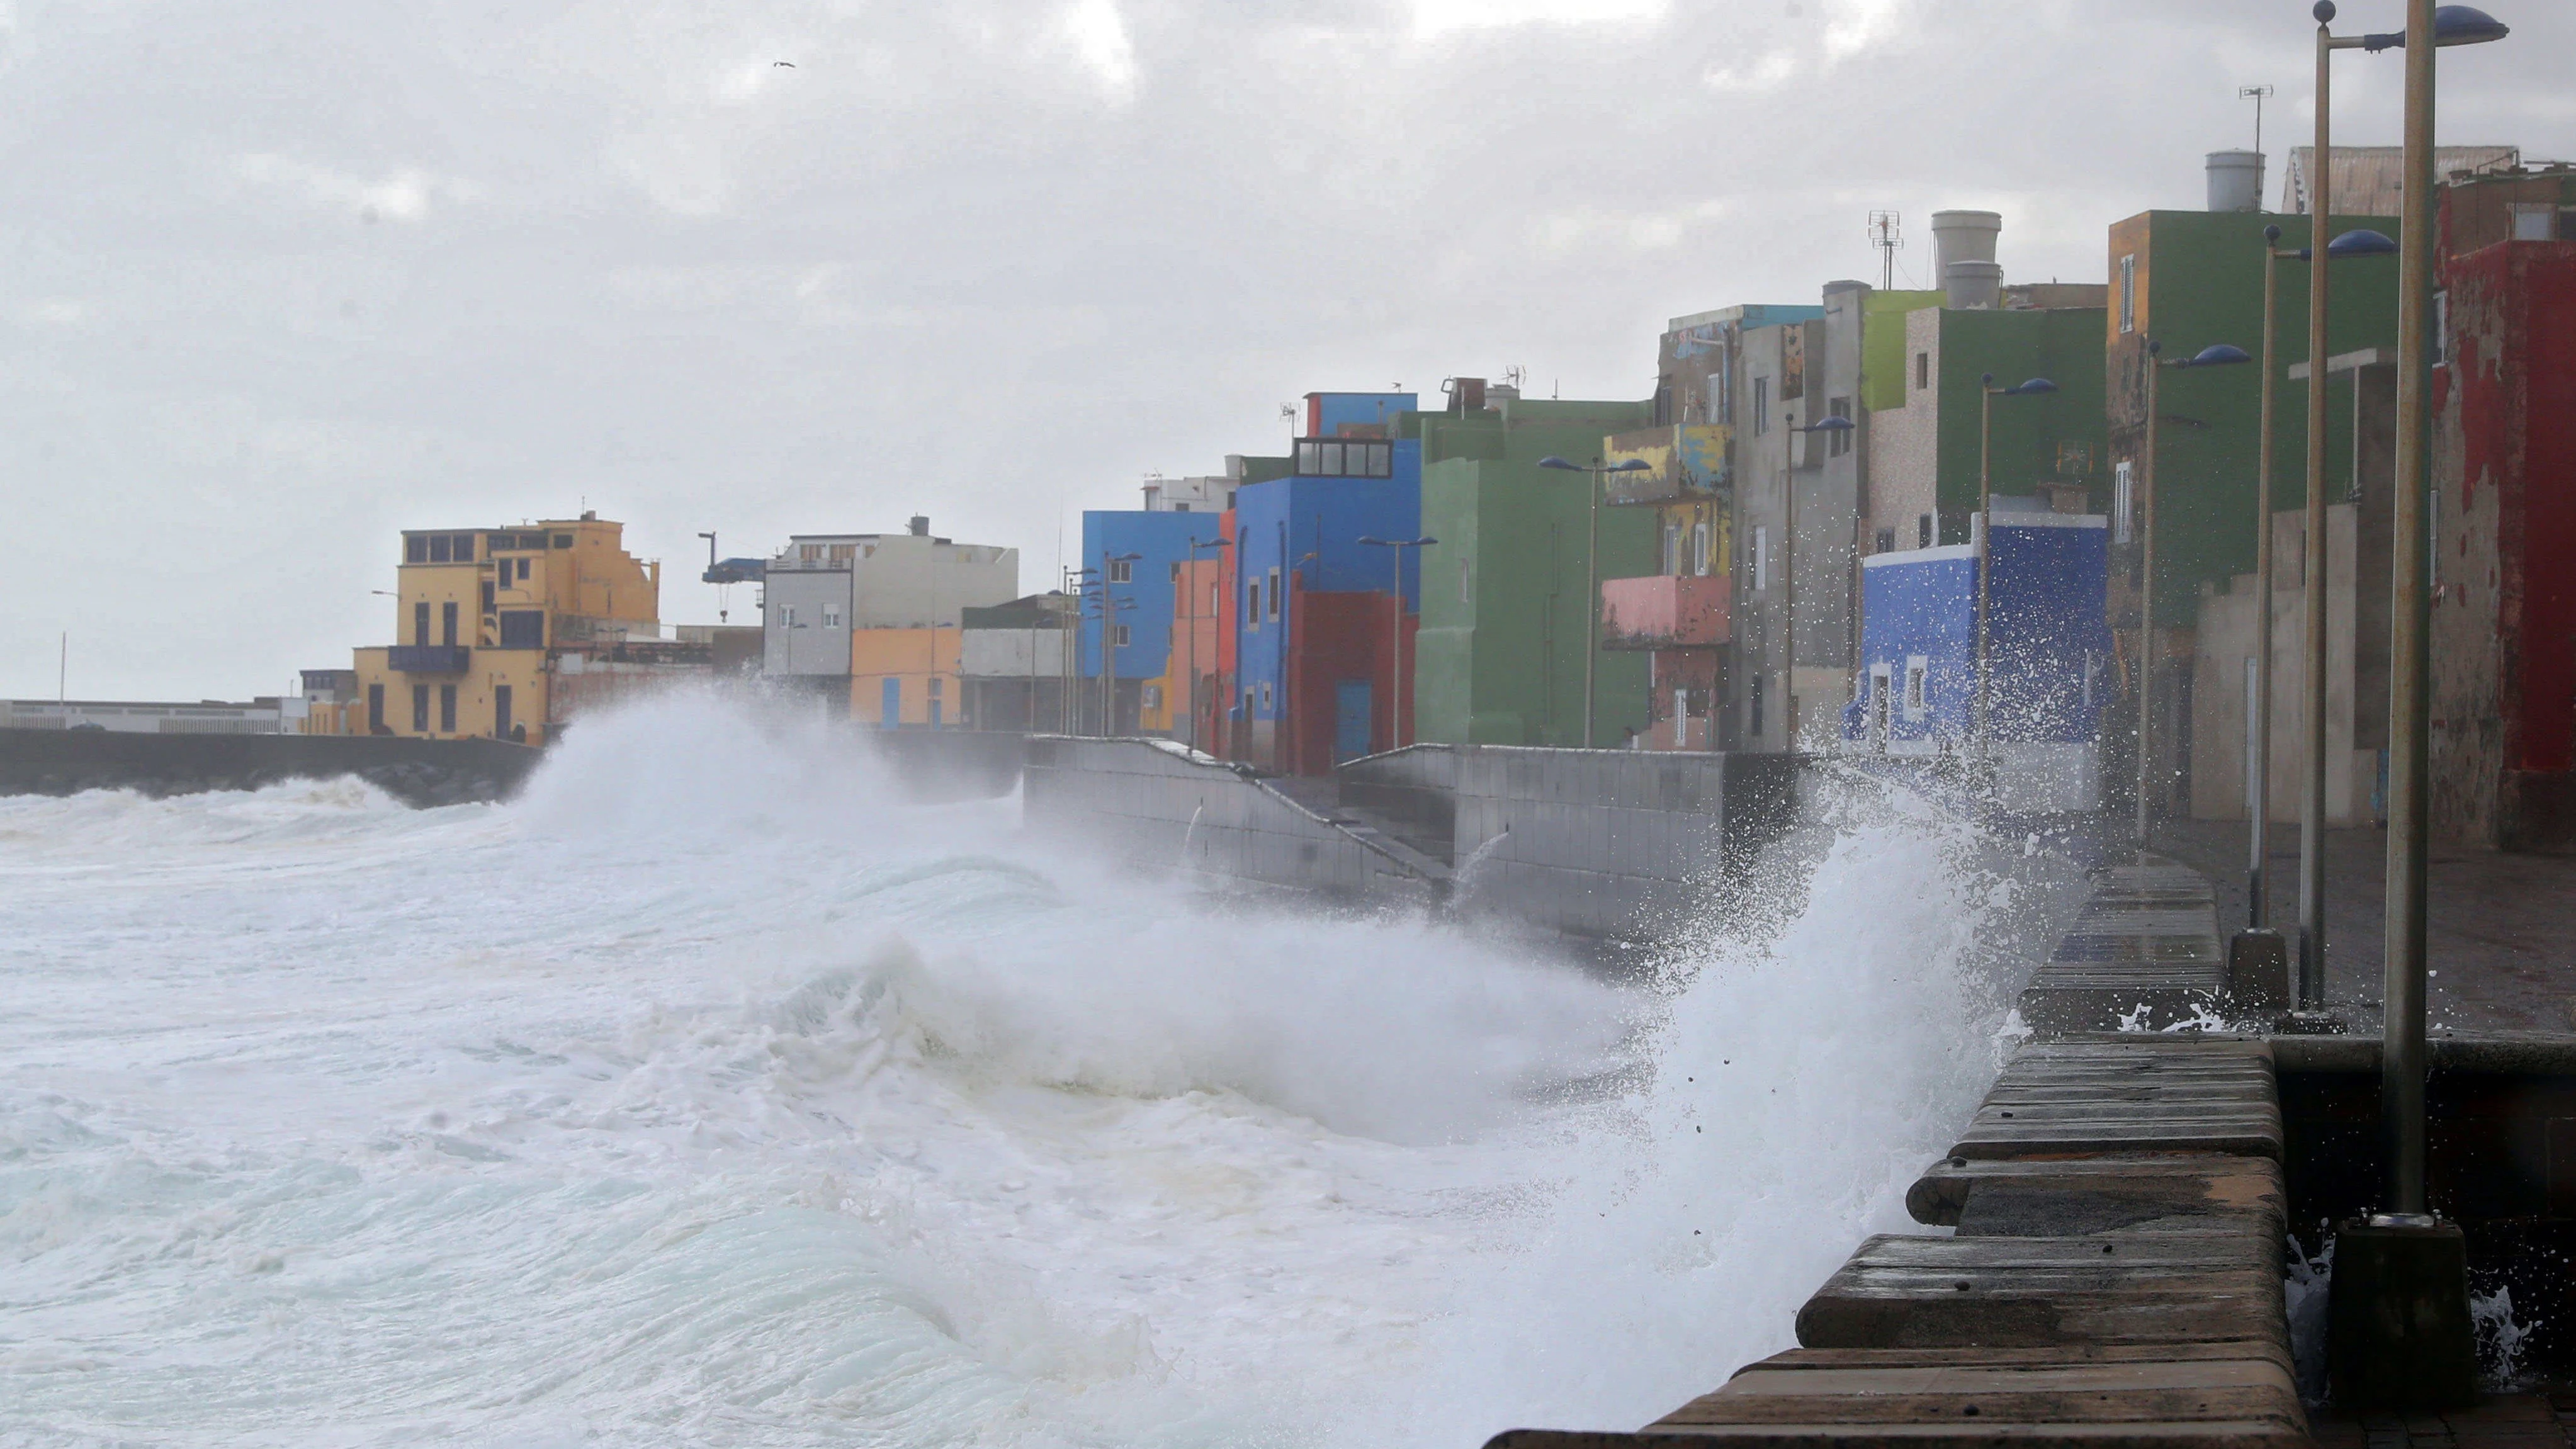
[[2048, 644], [1145, 601], [1329, 411], [1278, 523]]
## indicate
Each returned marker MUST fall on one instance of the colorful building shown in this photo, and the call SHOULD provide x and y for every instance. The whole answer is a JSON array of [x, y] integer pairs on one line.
[[1507, 607], [1130, 561], [906, 678], [1679, 613], [823, 590], [488, 617], [1317, 612]]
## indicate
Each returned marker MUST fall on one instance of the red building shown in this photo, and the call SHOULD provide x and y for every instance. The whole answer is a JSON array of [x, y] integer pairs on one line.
[[1345, 696], [2504, 543]]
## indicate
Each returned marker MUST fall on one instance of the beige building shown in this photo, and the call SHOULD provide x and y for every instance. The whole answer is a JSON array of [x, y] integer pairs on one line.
[[486, 620]]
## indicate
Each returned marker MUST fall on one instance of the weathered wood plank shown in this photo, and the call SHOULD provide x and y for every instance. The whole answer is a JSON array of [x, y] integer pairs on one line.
[[2055, 1354], [2132, 1288], [2248, 1136], [1946, 1187]]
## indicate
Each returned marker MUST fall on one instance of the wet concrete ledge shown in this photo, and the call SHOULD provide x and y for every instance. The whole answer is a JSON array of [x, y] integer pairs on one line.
[[416, 772]]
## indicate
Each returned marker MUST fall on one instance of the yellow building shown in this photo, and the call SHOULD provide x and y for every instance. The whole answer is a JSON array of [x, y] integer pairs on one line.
[[907, 677], [485, 619]]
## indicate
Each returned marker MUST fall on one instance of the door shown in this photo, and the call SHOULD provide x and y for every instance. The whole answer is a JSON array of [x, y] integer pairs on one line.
[[890, 704], [1351, 719], [500, 711]]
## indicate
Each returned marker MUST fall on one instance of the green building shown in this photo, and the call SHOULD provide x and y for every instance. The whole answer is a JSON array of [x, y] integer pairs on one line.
[[1923, 375], [1506, 613], [2189, 279]]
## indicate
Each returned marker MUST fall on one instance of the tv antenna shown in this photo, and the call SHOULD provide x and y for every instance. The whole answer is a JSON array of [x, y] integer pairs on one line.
[[1885, 235], [2256, 94]]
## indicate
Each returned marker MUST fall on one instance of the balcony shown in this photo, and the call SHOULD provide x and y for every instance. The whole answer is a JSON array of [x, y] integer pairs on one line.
[[428, 658], [1684, 461], [1664, 611]]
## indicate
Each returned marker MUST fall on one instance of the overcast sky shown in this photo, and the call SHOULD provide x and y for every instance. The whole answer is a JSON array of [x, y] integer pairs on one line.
[[283, 278]]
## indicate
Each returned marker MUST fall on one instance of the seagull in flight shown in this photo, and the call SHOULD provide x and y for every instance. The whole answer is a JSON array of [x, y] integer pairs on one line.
[[791, 65]]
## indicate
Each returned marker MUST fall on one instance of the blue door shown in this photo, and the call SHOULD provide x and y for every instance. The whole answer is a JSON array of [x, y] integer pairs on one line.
[[1350, 719], [890, 705]]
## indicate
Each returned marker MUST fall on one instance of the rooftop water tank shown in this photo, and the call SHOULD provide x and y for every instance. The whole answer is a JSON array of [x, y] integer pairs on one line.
[[1973, 285], [2236, 181], [1963, 236]]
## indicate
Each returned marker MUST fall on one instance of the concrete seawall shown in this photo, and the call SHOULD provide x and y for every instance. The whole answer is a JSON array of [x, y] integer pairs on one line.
[[417, 772]]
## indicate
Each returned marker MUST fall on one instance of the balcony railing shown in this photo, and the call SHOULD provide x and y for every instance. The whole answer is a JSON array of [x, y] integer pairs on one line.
[[1664, 611], [428, 658], [1682, 461]]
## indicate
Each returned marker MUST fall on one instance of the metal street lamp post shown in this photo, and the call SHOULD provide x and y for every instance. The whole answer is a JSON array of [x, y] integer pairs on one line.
[[1395, 548], [2217, 354], [1592, 564], [2032, 387]]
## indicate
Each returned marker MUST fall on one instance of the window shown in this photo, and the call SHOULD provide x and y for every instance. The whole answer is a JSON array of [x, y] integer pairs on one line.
[[809, 553], [563, 540], [1761, 406], [1761, 561], [1699, 550], [1672, 548], [1122, 571], [2534, 221], [447, 709], [831, 617], [1922, 371], [490, 597], [1252, 604], [420, 709], [1124, 638], [842, 553], [447, 623], [1886, 541], [1180, 508], [1341, 458], [787, 616], [439, 551], [1265, 695], [1152, 693], [2120, 502], [415, 548], [2129, 292], [1926, 526], [523, 629], [1274, 593], [420, 623], [375, 709], [1839, 441], [1917, 672]]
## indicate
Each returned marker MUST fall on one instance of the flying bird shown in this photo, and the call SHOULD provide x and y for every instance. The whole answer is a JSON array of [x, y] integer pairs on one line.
[[791, 65]]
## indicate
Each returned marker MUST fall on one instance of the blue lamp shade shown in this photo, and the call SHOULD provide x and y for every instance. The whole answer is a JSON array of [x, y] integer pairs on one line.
[[2032, 387], [1629, 465], [1829, 425], [2360, 243], [1378, 542], [2218, 354], [2452, 25], [1553, 461]]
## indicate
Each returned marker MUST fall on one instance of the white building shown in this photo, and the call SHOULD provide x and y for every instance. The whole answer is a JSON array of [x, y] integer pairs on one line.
[[823, 585]]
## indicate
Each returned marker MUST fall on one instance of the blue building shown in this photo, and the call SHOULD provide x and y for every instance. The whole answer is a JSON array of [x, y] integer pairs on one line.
[[1140, 588], [2048, 656], [1315, 641]]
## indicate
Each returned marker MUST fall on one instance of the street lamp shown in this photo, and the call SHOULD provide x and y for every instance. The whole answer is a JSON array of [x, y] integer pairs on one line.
[[2217, 354], [1789, 578], [1190, 639], [2031, 387], [1395, 548], [2258, 800], [1109, 640], [1592, 564], [2401, 1069]]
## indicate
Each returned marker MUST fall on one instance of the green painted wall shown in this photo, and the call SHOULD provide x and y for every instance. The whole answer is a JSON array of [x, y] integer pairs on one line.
[[1882, 346], [2058, 437], [2201, 281], [1500, 656]]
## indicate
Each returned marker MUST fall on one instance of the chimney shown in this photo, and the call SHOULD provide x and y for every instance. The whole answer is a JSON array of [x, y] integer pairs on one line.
[[1963, 244], [921, 525], [2235, 180]]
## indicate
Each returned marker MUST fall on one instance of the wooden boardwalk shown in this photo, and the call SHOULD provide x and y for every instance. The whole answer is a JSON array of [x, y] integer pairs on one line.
[[2114, 1277]]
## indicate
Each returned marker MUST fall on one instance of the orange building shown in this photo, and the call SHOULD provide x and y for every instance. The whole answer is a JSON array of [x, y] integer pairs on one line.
[[906, 677]]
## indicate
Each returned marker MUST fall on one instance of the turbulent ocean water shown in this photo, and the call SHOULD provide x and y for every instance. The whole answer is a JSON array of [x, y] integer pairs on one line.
[[709, 1093]]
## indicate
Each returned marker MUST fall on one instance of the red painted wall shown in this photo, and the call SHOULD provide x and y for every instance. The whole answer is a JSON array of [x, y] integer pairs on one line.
[[1340, 636]]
